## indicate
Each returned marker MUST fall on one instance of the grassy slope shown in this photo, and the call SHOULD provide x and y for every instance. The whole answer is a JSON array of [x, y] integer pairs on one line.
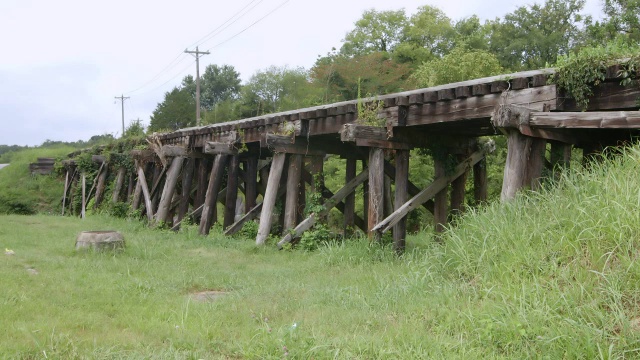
[[18, 189], [550, 275]]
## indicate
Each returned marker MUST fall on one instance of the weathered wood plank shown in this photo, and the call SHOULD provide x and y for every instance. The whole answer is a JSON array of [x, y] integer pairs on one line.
[[142, 182], [277, 164], [376, 191], [523, 165], [292, 198], [251, 183], [440, 197], [115, 196], [173, 174], [232, 192], [187, 181], [215, 179], [586, 120]]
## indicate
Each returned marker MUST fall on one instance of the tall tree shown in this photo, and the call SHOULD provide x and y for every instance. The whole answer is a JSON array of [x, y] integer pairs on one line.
[[459, 65], [219, 83], [534, 36], [374, 73], [429, 34], [375, 32], [622, 22], [175, 111], [277, 89]]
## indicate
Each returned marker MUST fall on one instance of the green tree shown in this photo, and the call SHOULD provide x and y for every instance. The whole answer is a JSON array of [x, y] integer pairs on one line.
[[218, 84], [376, 72], [459, 65], [135, 129], [375, 32], [176, 111], [277, 89], [622, 22], [429, 34], [534, 36]]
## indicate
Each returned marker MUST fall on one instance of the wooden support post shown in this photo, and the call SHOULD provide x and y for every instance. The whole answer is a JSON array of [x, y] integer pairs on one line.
[[232, 191], [210, 202], [100, 188], [251, 183], [142, 182], [119, 184], [388, 199], [317, 170], [84, 198], [560, 157], [270, 198], [201, 191], [64, 195], [376, 190], [350, 200], [130, 187], [458, 189], [137, 196], [525, 160], [440, 200], [365, 199], [173, 174], [402, 195], [293, 182], [187, 181], [480, 181]]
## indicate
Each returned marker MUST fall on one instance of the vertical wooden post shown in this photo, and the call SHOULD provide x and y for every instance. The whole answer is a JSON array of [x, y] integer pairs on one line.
[[293, 182], [130, 187], [201, 191], [119, 184], [560, 157], [100, 188], [173, 174], [402, 195], [232, 191], [480, 181], [388, 199], [187, 181], [317, 170], [64, 195], [208, 211], [137, 196], [525, 159], [142, 182], [458, 188], [270, 197], [440, 200], [365, 197], [376, 191], [251, 183], [84, 197], [157, 178], [350, 200]]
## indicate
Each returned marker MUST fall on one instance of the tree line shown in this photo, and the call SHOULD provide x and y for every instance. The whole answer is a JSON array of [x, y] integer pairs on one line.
[[391, 51]]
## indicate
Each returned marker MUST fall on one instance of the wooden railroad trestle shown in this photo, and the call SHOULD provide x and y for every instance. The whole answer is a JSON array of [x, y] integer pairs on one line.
[[279, 156]]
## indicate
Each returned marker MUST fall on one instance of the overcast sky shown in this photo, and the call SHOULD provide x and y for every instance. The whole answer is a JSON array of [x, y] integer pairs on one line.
[[63, 62]]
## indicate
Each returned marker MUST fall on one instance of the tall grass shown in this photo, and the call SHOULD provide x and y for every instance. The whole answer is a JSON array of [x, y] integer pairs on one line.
[[549, 275]]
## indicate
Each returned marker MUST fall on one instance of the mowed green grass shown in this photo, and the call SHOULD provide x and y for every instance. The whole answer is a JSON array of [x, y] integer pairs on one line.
[[549, 275]]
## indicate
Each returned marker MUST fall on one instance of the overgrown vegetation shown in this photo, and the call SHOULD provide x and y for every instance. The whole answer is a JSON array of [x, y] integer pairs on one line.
[[578, 73], [550, 274]]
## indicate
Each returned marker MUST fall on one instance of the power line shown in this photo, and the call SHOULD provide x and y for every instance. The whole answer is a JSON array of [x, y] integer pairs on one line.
[[173, 77], [171, 65], [220, 28], [250, 26]]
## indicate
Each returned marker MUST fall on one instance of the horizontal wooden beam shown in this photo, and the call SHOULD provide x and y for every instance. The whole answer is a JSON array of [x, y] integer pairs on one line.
[[290, 145], [173, 150], [586, 120], [216, 148]]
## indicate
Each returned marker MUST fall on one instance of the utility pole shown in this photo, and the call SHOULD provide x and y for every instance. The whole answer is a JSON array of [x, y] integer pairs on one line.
[[122, 98], [197, 55]]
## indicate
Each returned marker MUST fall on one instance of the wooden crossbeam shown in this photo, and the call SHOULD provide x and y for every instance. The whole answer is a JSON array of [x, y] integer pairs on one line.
[[435, 187], [326, 207], [585, 120]]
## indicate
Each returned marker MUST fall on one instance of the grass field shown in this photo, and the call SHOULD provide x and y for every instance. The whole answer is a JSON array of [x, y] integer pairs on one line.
[[550, 275]]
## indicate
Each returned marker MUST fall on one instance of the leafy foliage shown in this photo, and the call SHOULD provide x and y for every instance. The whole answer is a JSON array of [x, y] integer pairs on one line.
[[577, 73], [459, 65]]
